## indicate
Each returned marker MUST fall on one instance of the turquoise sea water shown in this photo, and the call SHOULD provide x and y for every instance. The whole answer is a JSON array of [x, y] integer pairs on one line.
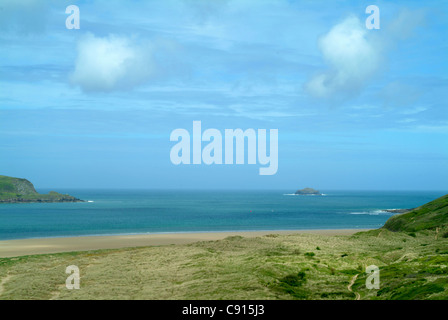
[[145, 211]]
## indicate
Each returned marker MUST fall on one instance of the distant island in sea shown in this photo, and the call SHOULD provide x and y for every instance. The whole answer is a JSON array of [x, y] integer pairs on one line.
[[308, 191], [16, 190]]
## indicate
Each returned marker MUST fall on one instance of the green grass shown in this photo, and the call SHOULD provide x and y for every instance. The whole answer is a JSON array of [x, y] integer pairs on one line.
[[15, 185], [429, 216], [269, 267]]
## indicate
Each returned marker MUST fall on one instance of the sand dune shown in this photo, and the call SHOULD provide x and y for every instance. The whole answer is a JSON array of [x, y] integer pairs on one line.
[[14, 248]]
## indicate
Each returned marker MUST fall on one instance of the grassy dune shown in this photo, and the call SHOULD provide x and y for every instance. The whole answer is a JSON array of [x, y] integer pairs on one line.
[[300, 266]]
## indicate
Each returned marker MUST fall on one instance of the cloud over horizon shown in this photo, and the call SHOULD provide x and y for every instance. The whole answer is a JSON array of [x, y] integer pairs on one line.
[[354, 54], [111, 63], [344, 99], [352, 59]]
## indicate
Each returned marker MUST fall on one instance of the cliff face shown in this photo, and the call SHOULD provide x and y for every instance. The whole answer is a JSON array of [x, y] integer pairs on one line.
[[16, 185], [16, 190]]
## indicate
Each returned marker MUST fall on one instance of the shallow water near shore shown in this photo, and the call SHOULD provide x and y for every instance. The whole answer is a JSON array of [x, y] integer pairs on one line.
[[108, 212]]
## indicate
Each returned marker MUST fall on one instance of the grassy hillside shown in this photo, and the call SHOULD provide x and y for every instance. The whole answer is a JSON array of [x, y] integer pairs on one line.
[[16, 186], [16, 190], [429, 216], [302, 266]]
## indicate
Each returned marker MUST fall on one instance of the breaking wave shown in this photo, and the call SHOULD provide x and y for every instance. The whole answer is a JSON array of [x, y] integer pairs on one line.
[[372, 212]]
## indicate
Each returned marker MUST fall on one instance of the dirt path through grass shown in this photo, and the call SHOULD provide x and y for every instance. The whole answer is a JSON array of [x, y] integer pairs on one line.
[[349, 287]]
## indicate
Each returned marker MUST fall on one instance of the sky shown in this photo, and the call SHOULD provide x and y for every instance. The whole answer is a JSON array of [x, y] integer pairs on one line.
[[355, 108]]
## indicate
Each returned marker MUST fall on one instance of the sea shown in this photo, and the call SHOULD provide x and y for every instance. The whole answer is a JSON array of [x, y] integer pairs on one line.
[[116, 212]]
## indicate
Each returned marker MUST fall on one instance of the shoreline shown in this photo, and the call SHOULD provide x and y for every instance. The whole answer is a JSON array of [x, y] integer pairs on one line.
[[23, 247]]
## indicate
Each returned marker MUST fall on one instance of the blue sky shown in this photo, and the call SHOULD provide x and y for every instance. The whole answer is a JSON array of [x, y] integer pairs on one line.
[[355, 108]]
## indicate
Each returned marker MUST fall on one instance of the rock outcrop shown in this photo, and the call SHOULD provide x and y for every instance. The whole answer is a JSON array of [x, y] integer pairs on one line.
[[308, 191], [16, 190]]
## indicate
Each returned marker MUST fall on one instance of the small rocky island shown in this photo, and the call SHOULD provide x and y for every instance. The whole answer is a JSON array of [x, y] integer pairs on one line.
[[308, 191], [16, 190]]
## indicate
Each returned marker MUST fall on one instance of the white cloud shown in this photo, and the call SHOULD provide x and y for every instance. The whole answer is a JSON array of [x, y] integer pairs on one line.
[[352, 59], [354, 54], [111, 63]]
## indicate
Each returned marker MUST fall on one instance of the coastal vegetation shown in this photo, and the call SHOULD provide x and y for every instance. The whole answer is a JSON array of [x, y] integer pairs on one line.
[[433, 215], [412, 256]]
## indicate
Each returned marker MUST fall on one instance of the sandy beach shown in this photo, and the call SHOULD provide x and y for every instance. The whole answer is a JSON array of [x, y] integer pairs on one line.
[[14, 248]]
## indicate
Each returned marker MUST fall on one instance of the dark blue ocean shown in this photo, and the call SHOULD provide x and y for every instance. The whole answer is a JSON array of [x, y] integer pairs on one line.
[[146, 211]]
